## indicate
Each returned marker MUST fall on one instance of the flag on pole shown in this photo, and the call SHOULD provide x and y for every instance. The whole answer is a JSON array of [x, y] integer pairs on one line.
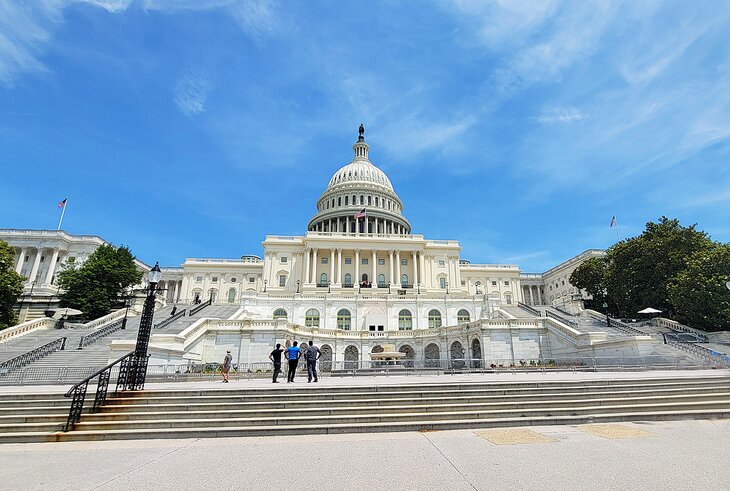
[[360, 214], [613, 221], [62, 204]]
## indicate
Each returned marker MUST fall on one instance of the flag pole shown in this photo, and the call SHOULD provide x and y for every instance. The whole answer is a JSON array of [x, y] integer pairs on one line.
[[63, 211], [618, 234]]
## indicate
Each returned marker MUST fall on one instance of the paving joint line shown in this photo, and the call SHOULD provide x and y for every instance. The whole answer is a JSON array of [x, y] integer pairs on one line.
[[449, 461]]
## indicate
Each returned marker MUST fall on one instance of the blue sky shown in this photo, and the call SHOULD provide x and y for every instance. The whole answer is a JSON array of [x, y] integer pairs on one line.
[[193, 128]]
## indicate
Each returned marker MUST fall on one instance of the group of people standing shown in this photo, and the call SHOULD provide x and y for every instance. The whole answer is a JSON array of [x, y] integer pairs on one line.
[[293, 353]]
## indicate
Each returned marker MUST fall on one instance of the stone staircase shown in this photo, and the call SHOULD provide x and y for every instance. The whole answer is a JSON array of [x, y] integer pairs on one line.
[[226, 412]]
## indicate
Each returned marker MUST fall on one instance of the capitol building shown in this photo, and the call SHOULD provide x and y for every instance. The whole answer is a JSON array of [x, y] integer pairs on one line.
[[357, 280]]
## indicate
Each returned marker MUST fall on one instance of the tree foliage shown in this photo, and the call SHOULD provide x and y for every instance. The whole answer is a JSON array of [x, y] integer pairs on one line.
[[699, 294], [669, 267], [100, 283], [11, 286]]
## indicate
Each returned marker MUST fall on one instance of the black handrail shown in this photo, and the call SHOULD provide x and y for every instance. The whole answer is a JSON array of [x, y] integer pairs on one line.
[[34, 354], [78, 390], [100, 333], [170, 319], [530, 309], [561, 319], [200, 307]]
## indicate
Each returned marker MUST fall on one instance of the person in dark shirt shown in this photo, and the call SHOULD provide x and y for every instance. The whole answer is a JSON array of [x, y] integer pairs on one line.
[[275, 357], [312, 355], [292, 354]]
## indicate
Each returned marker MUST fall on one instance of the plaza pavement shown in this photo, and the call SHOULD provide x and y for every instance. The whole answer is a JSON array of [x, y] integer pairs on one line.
[[659, 455]]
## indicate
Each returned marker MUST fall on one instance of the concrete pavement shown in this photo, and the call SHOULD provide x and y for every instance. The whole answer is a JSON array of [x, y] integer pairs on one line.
[[659, 455]]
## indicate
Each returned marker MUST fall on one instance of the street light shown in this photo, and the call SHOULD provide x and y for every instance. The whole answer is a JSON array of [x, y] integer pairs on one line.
[[447, 287], [608, 319], [418, 288], [298, 282], [328, 286], [265, 281], [389, 288], [137, 368]]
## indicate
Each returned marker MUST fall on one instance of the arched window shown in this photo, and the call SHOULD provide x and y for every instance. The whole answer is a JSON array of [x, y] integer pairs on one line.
[[434, 319], [347, 200], [343, 319], [381, 280], [323, 279], [311, 319], [348, 279], [280, 314], [377, 201], [231, 295], [463, 316], [508, 298], [405, 320], [339, 201], [404, 280], [370, 200], [362, 199]]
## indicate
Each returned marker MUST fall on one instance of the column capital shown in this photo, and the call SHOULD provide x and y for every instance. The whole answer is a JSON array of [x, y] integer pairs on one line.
[[339, 250]]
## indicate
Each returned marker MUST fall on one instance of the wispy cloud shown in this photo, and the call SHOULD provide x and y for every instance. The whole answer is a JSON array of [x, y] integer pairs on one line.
[[191, 92], [560, 115]]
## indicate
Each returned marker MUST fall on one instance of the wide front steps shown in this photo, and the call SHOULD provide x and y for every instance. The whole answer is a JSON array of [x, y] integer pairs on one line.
[[313, 409]]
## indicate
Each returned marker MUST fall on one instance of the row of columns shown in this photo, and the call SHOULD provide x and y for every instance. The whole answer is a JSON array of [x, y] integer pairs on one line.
[[48, 278], [174, 289], [335, 266], [533, 295], [378, 226]]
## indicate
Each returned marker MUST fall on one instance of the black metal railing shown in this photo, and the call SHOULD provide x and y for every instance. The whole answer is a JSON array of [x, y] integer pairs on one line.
[[33, 355], [347, 285], [560, 318], [170, 319], [78, 391], [530, 309], [619, 325], [100, 333], [321, 285], [200, 307]]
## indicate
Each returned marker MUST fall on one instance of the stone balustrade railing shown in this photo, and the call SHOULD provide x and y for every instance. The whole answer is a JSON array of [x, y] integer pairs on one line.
[[101, 321], [25, 328]]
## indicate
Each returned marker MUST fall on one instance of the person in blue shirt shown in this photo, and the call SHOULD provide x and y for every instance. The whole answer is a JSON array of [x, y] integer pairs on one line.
[[292, 354]]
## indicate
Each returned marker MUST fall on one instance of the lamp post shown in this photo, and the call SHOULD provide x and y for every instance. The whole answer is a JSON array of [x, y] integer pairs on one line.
[[418, 288], [447, 287], [298, 282], [329, 283], [389, 288], [265, 282], [476, 285], [608, 319], [137, 368], [127, 304]]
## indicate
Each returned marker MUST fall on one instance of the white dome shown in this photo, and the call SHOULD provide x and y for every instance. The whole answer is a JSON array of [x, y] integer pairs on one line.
[[360, 171]]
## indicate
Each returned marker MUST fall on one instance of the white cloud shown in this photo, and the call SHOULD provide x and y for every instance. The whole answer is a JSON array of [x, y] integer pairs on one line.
[[560, 115], [191, 92]]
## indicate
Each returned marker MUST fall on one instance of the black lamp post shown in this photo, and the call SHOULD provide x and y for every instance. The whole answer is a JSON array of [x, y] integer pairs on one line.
[[389, 288], [127, 304], [329, 283], [265, 281], [447, 287], [138, 362], [298, 282], [608, 319], [418, 288]]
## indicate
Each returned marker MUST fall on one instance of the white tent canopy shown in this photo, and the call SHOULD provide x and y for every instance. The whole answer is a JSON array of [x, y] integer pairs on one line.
[[649, 310]]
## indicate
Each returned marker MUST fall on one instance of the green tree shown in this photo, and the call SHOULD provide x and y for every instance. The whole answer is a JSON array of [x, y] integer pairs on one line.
[[698, 293], [640, 269], [11, 286], [101, 282], [591, 277]]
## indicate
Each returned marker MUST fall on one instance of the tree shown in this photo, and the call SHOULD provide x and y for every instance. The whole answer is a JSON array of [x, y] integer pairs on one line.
[[101, 282], [11, 286], [698, 293], [591, 277], [640, 269]]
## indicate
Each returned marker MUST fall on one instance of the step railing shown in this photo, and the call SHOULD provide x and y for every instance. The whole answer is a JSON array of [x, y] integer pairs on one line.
[[170, 319], [77, 392], [530, 309], [678, 327], [718, 359], [33, 355], [562, 319], [616, 324], [90, 339], [200, 307]]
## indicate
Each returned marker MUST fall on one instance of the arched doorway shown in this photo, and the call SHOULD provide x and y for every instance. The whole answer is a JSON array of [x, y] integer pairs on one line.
[[476, 353], [432, 356], [407, 361], [377, 349], [325, 361], [352, 355], [457, 355]]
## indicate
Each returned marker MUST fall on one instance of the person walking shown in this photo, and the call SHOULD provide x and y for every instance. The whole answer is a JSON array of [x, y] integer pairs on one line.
[[312, 355], [275, 357], [227, 361], [292, 354]]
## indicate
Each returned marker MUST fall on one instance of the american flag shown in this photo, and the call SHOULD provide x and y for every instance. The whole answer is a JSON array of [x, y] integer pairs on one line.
[[613, 221], [360, 214], [61, 204]]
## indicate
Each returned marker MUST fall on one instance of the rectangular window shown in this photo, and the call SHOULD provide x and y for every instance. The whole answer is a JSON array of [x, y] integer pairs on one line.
[[463, 283], [404, 262], [506, 283], [251, 279], [324, 260], [365, 260], [199, 279], [348, 260], [381, 262], [442, 283], [43, 258], [283, 259], [214, 279], [441, 263], [494, 283], [282, 280]]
